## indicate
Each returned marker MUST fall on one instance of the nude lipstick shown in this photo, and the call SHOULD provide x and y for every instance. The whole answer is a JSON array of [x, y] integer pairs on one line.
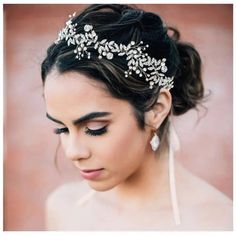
[[91, 174]]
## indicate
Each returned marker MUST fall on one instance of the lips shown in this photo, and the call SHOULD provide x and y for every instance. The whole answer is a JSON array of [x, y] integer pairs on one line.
[[91, 174], [90, 170]]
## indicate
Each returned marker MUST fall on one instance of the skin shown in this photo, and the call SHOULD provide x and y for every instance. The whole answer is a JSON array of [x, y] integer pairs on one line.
[[135, 178]]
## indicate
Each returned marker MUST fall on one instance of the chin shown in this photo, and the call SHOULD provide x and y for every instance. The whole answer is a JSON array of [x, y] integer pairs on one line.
[[101, 186]]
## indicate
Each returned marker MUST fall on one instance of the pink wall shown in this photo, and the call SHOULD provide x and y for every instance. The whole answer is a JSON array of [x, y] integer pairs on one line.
[[29, 172]]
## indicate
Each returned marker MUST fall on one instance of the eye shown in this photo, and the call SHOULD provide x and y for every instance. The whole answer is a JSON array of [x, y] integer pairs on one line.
[[61, 130], [96, 132]]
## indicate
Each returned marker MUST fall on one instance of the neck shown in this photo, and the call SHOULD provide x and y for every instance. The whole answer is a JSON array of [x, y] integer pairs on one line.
[[147, 187]]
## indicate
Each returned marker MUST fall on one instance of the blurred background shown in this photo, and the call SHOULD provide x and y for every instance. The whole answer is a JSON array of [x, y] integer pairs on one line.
[[29, 143]]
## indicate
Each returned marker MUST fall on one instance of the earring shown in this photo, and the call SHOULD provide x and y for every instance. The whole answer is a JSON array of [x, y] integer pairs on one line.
[[155, 142]]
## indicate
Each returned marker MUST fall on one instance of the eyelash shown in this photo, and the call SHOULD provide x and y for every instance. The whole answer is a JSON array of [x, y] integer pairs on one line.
[[88, 131], [96, 132], [60, 130]]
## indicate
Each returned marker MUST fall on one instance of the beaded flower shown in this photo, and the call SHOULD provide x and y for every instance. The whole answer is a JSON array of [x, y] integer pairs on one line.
[[138, 61]]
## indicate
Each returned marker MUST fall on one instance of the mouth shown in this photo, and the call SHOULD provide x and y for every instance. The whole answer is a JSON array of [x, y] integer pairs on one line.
[[91, 173], [91, 170]]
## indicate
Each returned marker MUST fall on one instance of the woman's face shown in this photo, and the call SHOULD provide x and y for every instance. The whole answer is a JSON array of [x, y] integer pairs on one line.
[[108, 147]]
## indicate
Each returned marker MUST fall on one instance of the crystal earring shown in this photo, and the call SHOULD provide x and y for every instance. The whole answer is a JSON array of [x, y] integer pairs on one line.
[[155, 142]]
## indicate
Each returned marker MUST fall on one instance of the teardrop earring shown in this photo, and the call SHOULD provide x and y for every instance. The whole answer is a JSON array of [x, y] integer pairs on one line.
[[155, 142]]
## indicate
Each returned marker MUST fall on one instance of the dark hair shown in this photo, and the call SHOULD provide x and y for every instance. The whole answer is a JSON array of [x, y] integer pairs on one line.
[[123, 24]]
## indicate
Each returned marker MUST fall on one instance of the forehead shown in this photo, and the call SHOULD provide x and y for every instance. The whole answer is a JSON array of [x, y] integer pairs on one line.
[[72, 83], [73, 92]]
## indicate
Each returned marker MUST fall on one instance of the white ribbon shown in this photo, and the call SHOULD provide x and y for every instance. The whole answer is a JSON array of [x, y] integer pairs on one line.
[[174, 145]]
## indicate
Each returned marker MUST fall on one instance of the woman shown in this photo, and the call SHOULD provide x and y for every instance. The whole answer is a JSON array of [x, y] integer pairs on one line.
[[112, 81]]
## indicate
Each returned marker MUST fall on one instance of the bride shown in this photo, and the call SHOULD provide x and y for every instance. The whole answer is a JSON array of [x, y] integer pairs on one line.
[[112, 80]]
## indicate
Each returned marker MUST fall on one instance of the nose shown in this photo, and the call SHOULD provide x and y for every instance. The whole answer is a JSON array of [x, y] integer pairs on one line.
[[75, 148]]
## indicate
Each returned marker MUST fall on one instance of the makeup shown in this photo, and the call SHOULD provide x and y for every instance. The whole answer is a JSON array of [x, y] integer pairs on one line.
[[96, 132], [91, 174]]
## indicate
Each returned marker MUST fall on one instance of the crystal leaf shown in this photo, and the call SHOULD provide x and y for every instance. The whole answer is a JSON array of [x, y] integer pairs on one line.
[[103, 41]]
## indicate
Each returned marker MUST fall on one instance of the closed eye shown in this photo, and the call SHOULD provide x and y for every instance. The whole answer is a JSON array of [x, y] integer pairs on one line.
[[96, 132], [92, 132], [61, 130]]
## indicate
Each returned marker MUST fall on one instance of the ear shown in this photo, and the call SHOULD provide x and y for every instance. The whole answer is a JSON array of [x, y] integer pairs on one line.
[[161, 109]]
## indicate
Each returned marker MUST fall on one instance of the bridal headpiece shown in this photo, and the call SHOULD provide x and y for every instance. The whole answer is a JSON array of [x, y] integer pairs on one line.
[[138, 61]]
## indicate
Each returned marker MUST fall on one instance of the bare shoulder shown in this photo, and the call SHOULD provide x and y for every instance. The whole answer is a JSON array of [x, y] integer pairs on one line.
[[61, 202], [207, 205], [218, 208]]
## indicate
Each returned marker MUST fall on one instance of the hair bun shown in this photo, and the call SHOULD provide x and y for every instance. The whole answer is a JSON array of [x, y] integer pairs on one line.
[[188, 88]]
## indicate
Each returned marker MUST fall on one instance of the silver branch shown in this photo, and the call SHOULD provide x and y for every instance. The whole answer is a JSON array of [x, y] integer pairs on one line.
[[138, 61]]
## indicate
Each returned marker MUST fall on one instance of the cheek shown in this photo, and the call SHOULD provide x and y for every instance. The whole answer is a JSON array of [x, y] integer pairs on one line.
[[125, 146], [63, 142]]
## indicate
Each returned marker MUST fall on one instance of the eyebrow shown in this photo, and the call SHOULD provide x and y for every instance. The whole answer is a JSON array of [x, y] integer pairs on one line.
[[89, 116]]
